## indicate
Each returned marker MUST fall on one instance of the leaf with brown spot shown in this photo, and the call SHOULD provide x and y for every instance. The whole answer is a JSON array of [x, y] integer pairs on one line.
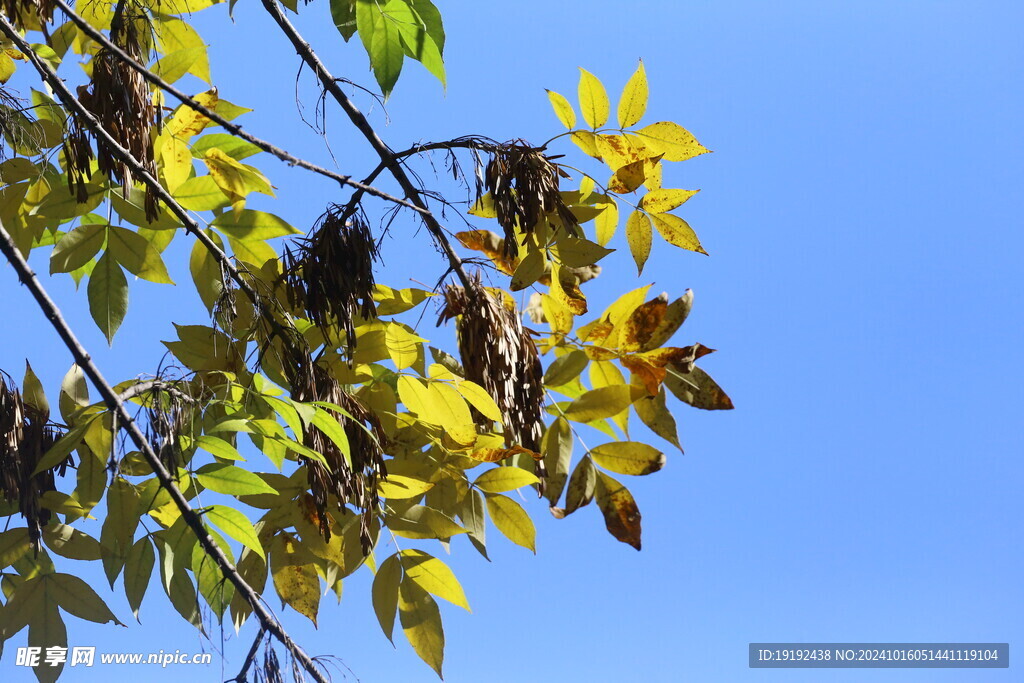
[[675, 315], [678, 232], [682, 358], [638, 236], [628, 178], [645, 373], [662, 201], [628, 457], [672, 140], [492, 246], [698, 389], [621, 515], [620, 150], [581, 487], [295, 578], [640, 326]]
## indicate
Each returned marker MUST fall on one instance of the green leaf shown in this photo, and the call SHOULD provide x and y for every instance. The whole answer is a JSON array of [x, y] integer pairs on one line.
[[653, 412], [205, 270], [118, 532], [200, 193], [638, 236], [628, 457], [45, 630], [566, 368], [71, 543], [385, 594], [236, 525], [74, 392], [512, 521], [343, 12], [420, 521], [563, 110], [76, 596], [501, 479], [633, 102], [77, 248], [218, 446], [234, 147], [137, 570], [14, 543], [173, 66], [556, 446], [418, 42], [108, 296], [421, 622], [582, 484], [232, 480], [253, 225], [579, 253], [60, 450], [33, 394], [433, 576], [137, 254], [382, 42], [593, 100]]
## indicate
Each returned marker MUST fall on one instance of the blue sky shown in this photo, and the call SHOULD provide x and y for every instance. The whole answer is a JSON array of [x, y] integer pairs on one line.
[[863, 290]]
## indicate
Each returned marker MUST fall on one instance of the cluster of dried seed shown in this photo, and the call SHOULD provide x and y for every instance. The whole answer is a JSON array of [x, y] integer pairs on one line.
[[523, 183], [499, 355], [330, 274], [168, 416], [18, 11], [350, 479], [119, 98], [25, 436]]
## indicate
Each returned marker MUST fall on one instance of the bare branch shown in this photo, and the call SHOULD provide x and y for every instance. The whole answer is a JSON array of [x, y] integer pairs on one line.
[[117, 407], [387, 156]]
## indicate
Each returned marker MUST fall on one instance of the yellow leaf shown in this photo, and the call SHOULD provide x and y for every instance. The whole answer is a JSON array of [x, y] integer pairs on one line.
[[484, 207], [652, 173], [672, 140], [177, 161], [512, 521], [603, 402], [447, 407], [479, 399], [587, 142], [558, 314], [563, 110], [678, 232], [404, 347], [607, 221], [7, 67], [397, 486], [662, 201], [621, 515], [530, 269], [605, 374], [628, 457], [619, 150], [421, 622], [638, 236], [501, 479], [633, 102], [188, 122], [593, 100], [433, 576]]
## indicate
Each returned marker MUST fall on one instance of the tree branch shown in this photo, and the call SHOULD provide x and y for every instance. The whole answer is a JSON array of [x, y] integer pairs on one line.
[[116, 406], [153, 385], [387, 157], [230, 127], [241, 677]]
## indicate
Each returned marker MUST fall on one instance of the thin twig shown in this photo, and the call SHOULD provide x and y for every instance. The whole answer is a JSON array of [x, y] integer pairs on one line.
[[232, 128], [249, 658], [115, 405], [387, 157], [153, 385]]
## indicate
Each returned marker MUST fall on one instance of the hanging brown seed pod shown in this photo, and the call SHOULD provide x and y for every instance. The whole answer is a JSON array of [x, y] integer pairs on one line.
[[523, 183], [499, 355], [78, 158], [330, 274], [119, 98], [25, 436], [351, 478], [19, 11], [168, 416]]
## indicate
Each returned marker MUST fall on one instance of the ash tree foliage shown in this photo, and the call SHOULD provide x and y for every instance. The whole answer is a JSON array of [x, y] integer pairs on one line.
[[311, 429]]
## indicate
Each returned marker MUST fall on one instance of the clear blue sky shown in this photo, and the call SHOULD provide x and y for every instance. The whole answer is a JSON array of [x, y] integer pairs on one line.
[[864, 288]]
